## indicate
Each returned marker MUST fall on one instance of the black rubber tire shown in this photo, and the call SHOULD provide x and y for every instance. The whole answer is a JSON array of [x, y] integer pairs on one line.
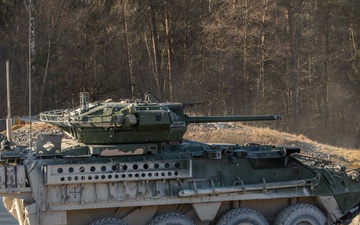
[[108, 221], [171, 219], [301, 214], [242, 216]]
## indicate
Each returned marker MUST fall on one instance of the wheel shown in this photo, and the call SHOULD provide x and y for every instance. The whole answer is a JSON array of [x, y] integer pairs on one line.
[[108, 221], [171, 219], [300, 214], [242, 216]]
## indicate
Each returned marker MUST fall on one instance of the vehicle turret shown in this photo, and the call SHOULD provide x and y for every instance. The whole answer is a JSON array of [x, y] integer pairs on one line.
[[131, 121]]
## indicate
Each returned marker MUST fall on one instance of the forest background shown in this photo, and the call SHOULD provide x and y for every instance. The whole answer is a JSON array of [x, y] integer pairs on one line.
[[296, 58]]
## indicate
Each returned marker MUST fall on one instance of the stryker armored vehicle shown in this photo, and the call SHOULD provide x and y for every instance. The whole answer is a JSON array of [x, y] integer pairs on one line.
[[131, 165]]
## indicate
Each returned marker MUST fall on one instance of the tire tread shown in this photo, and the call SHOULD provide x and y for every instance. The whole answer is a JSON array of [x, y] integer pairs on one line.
[[108, 220], [162, 218], [230, 215], [298, 210]]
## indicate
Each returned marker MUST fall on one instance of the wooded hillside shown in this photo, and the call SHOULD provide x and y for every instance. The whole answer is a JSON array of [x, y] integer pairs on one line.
[[296, 58]]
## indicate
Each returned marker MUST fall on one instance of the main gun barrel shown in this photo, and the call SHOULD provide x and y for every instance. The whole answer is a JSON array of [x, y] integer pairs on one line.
[[213, 119]]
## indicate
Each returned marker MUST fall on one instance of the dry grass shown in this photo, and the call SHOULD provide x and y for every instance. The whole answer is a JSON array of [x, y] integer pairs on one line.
[[241, 134], [39, 126]]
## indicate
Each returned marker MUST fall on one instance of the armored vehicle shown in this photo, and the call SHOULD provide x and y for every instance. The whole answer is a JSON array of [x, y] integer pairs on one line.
[[131, 165]]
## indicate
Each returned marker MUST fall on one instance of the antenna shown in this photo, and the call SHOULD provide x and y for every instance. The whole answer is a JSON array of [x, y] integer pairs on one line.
[[9, 133], [30, 129]]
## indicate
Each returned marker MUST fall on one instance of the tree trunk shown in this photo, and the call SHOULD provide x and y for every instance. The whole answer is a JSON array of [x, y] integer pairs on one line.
[[128, 51], [246, 95], [260, 82], [45, 73], [169, 50], [325, 76], [155, 48], [294, 70]]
